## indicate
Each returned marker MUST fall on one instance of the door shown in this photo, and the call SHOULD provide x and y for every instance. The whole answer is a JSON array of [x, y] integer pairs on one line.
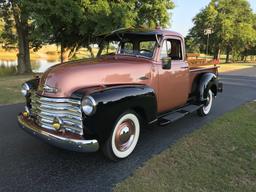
[[173, 82]]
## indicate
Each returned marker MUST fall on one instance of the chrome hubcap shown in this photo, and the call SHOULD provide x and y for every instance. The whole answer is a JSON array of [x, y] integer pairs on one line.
[[207, 100], [124, 136]]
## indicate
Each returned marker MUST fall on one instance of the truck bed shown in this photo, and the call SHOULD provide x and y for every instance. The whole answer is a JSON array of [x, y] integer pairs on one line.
[[196, 69], [203, 68], [199, 65]]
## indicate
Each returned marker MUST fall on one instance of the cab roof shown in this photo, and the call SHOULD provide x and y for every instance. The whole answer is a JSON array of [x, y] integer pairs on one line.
[[143, 31]]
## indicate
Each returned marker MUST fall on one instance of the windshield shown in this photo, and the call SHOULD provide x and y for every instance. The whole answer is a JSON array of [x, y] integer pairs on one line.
[[127, 44]]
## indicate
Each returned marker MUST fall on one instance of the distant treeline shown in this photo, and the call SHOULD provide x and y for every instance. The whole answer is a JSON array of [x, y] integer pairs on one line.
[[229, 26]]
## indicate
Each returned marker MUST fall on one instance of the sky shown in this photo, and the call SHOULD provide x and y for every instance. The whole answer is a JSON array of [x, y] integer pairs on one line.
[[185, 11]]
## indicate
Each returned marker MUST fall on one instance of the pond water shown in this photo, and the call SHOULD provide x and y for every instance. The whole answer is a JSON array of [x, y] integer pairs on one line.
[[38, 66]]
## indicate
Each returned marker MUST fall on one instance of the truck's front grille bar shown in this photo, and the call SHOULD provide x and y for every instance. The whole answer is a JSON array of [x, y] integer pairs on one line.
[[45, 110]]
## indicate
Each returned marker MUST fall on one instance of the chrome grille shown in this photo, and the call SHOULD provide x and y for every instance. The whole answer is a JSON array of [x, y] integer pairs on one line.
[[45, 110]]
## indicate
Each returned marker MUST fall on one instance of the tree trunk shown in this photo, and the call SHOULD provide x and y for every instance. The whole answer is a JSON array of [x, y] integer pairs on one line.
[[24, 65], [21, 61], [242, 57], [89, 48], [227, 54], [61, 53], [21, 24], [217, 54], [64, 52], [101, 47], [26, 50]]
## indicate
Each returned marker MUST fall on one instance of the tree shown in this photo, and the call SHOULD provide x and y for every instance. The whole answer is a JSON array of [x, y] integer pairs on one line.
[[191, 45], [1, 30], [153, 13], [58, 22], [16, 14], [232, 22], [73, 23]]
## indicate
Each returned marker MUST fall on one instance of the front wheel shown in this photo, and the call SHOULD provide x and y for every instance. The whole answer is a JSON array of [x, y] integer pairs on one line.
[[124, 137], [206, 108]]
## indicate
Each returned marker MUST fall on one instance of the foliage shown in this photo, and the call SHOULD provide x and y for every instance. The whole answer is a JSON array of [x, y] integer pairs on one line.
[[233, 24], [7, 33], [192, 46], [1, 30], [153, 13], [73, 23]]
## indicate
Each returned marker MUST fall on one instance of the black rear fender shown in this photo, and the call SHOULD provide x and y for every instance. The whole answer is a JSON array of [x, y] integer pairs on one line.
[[206, 82]]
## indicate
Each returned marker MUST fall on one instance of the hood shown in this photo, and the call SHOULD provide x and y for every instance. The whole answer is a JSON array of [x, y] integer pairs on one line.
[[68, 77]]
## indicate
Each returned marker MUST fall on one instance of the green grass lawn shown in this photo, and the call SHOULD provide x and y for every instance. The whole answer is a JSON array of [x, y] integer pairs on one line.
[[10, 87], [221, 156]]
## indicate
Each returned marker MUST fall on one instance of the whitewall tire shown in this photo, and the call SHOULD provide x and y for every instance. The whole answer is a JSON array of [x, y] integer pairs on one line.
[[206, 108], [124, 137]]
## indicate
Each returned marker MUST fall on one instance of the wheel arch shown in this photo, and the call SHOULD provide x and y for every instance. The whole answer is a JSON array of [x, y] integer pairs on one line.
[[113, 101], [204, 83], [141, 112]]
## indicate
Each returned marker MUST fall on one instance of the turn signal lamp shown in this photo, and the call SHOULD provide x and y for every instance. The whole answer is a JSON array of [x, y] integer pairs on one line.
[[57, 122], [56, 126], [25, 114]]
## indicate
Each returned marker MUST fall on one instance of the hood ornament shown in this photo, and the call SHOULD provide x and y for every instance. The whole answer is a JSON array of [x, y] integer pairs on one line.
[[49, 89]]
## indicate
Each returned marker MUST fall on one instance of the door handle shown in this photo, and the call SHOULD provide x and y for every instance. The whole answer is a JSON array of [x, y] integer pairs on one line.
[[143, 78], [184, 67]]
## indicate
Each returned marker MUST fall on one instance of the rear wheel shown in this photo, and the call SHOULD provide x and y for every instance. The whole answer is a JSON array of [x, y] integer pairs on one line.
[[206, 108], [124, 137]]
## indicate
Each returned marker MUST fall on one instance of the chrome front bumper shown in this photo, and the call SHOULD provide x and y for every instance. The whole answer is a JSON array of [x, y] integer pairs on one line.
[[65, 141]]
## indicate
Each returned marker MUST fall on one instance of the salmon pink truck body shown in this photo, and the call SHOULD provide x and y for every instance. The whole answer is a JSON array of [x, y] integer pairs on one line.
[[140, 77]]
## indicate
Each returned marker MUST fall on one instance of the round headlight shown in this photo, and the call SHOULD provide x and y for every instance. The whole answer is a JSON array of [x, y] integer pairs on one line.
[[25, 89], [88, 105]]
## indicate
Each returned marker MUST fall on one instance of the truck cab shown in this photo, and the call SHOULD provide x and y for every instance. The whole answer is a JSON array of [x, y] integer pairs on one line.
[[140, 77]]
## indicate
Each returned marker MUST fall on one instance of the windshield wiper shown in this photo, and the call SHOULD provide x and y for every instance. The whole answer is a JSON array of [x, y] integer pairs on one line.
[[135, 55]]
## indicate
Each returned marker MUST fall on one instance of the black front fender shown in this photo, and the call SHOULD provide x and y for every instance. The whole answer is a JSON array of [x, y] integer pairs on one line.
[[113, 101]]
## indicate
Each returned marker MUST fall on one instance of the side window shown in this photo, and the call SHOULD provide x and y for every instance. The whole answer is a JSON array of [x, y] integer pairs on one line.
[[166, 48], [172, 48]]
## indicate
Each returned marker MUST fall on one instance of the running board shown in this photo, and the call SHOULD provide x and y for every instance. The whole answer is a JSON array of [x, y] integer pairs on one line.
[[178, 114]]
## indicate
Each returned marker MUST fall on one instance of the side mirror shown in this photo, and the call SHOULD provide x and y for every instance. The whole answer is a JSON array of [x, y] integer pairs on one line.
[[166, 63]]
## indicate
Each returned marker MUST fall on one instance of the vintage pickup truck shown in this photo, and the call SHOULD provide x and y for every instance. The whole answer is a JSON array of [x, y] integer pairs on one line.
[[139, 78]]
